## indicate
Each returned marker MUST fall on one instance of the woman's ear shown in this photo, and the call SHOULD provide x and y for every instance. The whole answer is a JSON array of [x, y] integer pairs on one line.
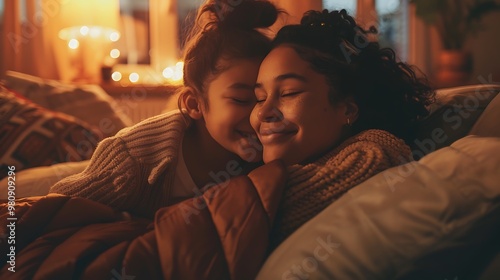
[[351, 110], [191, 103]]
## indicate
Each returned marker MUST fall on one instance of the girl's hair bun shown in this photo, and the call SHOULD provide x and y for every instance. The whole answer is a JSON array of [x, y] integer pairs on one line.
[[250, 14], [240, 14], [226, 29]]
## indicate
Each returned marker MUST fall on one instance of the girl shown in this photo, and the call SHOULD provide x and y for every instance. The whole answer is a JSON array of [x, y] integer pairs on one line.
[[163, 159], [333, 106]]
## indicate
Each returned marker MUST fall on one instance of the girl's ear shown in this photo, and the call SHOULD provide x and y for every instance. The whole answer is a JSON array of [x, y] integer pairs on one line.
[[191, 103], [351, 110]]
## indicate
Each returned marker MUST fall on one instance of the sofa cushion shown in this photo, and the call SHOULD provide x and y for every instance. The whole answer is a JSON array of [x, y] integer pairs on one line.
[[453, 116], [37, 181], [487, 124], [86, 102], [423, 220], [32, 136]]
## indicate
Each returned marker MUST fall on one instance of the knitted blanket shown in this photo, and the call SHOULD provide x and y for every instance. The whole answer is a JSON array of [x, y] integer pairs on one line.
[[314, 186]]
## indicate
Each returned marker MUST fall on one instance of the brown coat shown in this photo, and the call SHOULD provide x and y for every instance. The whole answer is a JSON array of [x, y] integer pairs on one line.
[[223, 234]]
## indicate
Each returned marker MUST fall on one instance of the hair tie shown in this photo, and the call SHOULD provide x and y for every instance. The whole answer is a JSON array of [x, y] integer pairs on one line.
[[321, 24], [352, 49]]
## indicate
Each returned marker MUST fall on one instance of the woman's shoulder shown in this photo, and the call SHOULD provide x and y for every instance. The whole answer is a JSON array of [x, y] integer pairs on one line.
[[377, 143], [368, 145], [379, 136]]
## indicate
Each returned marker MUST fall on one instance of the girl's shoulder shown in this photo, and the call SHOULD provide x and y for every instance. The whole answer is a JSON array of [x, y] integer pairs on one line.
[[170, 121], [369, 145]]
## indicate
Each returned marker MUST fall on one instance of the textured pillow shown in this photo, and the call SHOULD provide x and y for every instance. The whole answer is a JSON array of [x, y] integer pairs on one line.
[[452, 116], [85, 102], [430, 219], [487, 124], [33, 136], [37, 181]]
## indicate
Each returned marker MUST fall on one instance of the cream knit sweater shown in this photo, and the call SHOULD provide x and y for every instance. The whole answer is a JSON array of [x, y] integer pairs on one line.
[[312, 187], [129, 170]]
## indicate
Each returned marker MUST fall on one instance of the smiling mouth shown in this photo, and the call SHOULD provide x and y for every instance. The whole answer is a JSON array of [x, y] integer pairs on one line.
[[270, 136]]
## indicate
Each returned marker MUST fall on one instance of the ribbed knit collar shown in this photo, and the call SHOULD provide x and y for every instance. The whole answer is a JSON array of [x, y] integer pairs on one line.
[[300, 173], [177, 124]]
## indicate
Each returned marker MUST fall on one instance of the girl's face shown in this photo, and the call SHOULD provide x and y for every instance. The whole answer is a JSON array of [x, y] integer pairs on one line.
[[230, 101], [293, 117]]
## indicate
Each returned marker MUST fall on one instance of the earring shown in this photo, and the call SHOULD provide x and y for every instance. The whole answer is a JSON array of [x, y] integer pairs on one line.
[[348, 122]]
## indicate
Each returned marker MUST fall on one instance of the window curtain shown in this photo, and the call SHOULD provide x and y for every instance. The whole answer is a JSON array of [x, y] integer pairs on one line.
[[424, 44], [165, 42], [423, 41], [29, 42]]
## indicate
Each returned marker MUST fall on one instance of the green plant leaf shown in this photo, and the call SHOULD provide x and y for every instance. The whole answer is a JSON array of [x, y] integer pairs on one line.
[[428, 10], [455, 20], [477, 11]]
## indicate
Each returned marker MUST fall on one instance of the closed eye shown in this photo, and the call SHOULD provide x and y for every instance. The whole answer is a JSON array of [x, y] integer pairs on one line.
[[241, 101], [291, 93]]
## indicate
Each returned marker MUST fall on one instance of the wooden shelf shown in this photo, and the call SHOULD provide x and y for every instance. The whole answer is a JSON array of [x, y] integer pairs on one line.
[[143, 101], [158, 91]]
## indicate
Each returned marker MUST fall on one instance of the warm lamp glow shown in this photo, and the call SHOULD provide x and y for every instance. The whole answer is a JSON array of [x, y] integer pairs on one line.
[[116, 76], [178, 76], [94, 18], [104, 13], [89, 27], [174, 73], [168, 72], [75, 32], [133, 77], [114, 36], [96, 31], [73, 44], [84, 30], [114, 53]]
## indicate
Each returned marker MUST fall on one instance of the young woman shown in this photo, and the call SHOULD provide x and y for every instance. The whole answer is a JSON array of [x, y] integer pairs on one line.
[[171, 157], [336, 108]]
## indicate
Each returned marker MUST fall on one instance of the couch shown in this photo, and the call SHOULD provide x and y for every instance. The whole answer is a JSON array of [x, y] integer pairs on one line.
[[51, 128], [435, 218]]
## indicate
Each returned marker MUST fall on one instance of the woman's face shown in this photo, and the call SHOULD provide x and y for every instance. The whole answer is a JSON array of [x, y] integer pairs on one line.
[[293, 117]]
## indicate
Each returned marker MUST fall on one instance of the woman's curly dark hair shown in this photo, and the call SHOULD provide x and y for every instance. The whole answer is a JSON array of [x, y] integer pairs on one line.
[[389, 94]]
